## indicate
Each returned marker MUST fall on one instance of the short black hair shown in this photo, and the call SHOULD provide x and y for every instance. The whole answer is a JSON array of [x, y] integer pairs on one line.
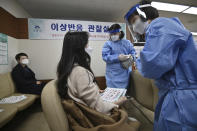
[[151, 12], [115, 27], [18, 56]]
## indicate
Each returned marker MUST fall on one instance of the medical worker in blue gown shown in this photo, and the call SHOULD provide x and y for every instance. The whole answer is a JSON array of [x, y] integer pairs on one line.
[[114, 51], [170, 58]]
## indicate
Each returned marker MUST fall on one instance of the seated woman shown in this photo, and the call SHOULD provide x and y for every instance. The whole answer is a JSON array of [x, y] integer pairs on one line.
[[75, 77]]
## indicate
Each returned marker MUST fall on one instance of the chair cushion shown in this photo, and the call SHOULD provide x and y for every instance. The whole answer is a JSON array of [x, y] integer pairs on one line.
[[133, 111], [146, 112], [8, 113]]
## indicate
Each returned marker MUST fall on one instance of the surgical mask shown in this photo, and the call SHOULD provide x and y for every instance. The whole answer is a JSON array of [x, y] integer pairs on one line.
[[89, 50], [139, 26], [25, 61], [115, 37]]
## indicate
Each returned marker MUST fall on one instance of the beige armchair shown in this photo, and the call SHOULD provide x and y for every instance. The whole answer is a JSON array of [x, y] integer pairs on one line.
[[142, 106], [7, 89]]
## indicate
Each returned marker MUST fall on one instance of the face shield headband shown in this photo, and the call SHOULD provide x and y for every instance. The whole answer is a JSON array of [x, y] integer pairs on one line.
[[114, 31], [137, 8], [142, 15]]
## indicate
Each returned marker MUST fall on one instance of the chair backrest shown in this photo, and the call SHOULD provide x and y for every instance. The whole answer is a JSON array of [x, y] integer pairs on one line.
[[12, 84], [53, 109], [6, 85], [144, 90]]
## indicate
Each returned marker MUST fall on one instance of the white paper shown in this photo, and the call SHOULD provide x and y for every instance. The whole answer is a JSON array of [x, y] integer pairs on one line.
[[13, 99], [113, 94]]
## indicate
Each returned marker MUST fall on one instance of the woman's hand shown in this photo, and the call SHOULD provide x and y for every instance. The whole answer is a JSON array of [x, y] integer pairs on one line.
[[101, 91], [120, 101], [38, 82]]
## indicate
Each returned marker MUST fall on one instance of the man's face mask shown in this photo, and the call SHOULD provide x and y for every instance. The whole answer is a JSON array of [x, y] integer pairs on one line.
[[139, 26], [25, 61], [115, 37]]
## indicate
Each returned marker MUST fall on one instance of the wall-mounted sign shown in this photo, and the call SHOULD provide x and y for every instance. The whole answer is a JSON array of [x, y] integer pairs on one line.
[[3, 49], [56, 29]]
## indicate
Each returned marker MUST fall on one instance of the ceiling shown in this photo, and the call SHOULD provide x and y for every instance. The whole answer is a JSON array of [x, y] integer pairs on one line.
[[98, 10]]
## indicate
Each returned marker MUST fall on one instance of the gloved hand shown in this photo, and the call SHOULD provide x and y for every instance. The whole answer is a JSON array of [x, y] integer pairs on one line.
[[123, 57]]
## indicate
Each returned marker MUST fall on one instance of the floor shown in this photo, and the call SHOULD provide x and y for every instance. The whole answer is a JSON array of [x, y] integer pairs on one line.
[[31, 119]]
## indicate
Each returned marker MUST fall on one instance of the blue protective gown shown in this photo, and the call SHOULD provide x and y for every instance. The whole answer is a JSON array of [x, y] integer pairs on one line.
[[116, 75], [170, 58]]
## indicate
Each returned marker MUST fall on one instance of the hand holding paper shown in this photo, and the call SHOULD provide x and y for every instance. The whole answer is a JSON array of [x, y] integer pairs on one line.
[[120, 101]]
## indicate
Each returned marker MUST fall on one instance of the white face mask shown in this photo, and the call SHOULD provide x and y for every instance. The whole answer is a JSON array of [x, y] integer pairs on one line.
[[25, 61], [139, 26], [114, 37], [89, 50]]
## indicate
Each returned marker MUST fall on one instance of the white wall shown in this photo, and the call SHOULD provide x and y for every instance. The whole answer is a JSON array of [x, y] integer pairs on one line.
[[14, 8], [97, 64], [12, 51], [45, 54]]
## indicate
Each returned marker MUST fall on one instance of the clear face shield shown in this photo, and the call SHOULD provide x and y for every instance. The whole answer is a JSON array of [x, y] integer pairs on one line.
[[137, 23]]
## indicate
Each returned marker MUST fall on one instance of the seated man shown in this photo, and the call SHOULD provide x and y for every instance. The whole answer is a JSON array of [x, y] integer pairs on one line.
[[24, 77]]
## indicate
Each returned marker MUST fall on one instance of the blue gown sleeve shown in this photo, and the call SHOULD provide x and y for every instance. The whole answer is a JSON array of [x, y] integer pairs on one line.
[[160, 52], [132, 50], [107, 55]]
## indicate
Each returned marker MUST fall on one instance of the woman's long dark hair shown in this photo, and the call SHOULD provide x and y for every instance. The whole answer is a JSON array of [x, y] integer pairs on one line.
[[73, 52]]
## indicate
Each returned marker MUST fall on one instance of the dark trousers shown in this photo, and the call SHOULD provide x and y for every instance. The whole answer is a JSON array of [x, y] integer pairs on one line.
[[33, 89]]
